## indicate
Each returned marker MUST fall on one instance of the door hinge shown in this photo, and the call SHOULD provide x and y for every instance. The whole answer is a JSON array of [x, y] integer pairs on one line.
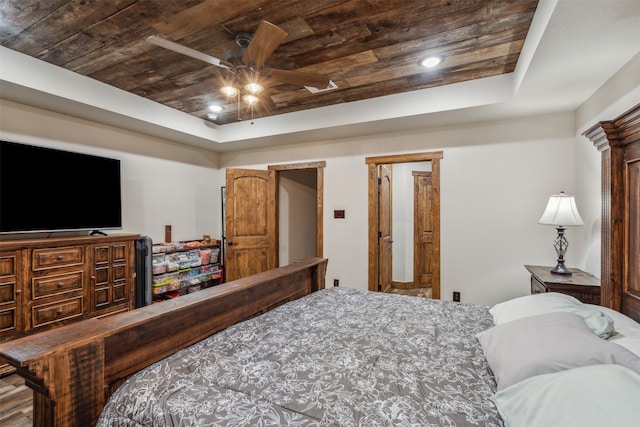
[[379, 234]]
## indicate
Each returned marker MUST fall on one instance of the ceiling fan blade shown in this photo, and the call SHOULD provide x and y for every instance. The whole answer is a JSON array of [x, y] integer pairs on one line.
[[263, 43], [178, 48], [300, 78], [267, 103]]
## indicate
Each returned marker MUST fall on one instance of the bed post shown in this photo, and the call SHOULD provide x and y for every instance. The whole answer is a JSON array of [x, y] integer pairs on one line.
[[68, 387]]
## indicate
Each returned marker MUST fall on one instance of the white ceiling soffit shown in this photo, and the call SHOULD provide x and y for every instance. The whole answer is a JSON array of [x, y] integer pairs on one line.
[[573, 48]]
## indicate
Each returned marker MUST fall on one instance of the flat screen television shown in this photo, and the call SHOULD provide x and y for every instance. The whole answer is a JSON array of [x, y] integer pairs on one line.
[[48, 190]]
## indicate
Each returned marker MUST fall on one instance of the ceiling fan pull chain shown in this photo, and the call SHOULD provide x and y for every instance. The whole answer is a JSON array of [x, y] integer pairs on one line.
[[238, 105]]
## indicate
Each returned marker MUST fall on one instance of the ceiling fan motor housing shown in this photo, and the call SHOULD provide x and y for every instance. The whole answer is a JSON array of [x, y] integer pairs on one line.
[[243, 39], [234, 55]]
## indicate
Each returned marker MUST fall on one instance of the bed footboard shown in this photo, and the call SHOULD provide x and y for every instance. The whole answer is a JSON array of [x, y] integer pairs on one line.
[[75, 368]]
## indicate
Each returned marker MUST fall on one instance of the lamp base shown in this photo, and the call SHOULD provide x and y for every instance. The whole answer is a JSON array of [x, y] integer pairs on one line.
[[561, 246], [561, 269]]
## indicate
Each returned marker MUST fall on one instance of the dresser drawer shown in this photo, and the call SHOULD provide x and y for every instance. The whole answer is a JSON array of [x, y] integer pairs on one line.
[[7, 320], [8, 265], [7, 292], [54, 284], [57, 257], [44, 314]]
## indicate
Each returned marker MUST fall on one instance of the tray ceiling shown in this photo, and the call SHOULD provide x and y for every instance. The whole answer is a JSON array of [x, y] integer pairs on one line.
[[369, 49]]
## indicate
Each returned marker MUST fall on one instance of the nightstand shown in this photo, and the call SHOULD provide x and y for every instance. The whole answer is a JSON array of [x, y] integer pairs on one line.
[[584, 286]]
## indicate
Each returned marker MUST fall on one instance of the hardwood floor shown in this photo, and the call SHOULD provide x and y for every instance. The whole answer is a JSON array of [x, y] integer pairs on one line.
[[417, 292], [16, 399]]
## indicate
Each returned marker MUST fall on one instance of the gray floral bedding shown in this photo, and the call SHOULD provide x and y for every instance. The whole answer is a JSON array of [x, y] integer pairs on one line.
[[338, 357]]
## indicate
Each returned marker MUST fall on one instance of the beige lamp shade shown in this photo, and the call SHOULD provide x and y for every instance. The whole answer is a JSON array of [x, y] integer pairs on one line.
[[561, 210]]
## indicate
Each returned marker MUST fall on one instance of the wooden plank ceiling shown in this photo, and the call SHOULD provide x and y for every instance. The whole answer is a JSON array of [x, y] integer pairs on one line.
[[368, 48]]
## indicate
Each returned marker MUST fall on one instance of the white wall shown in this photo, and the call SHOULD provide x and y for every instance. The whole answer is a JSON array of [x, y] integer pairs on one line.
[[163, 183], [297, 215], [495, 177]]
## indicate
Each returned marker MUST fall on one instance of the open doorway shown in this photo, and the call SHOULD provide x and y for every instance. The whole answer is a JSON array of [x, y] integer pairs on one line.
[[407, 227], [297, 215], [404, 222], [252, 208], [300, 204]]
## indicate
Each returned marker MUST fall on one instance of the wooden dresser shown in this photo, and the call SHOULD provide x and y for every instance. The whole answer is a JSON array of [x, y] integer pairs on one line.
[[45, 283], [583, 286]]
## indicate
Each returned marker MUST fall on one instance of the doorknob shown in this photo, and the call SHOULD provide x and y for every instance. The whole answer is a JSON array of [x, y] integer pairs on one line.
[[230, 243]]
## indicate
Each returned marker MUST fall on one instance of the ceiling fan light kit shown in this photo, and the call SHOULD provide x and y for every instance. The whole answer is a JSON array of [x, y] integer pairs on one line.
[[246, 66], [229, 91], [254, 88], [250, 99]]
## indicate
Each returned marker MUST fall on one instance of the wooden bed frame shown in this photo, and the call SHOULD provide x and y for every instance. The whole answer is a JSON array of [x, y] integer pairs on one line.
[[75, 368]]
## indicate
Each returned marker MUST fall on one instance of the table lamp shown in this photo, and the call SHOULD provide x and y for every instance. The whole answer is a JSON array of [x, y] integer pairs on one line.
[[561, 212]]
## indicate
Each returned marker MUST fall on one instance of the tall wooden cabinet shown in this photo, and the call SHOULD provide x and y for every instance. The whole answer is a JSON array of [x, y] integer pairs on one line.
[[618, 140], [45, 283]]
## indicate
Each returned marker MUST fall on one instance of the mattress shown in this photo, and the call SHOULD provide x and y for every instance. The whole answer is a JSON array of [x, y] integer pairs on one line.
[[337, 357]]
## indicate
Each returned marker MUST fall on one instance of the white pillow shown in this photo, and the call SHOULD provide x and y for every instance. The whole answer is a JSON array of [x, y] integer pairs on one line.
[[590, 396], [548, 302], [547, 343], [630, 342]]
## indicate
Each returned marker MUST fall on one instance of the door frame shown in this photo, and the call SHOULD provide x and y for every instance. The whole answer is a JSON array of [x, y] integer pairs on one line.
[[319, 168], [385, 226], [372, 162]]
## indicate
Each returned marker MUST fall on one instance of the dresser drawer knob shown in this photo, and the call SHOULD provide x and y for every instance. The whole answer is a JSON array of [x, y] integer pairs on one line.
[[59, 311], [60, 257], [60, 284]]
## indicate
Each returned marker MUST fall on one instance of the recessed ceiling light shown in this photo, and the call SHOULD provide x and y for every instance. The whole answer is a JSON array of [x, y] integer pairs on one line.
[[431, 61], [212, 116], [215, 108]]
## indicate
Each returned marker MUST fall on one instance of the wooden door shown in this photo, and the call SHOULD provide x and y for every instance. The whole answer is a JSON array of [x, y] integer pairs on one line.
[[422, 230], [251, 233], [426, 233], [385, 228]]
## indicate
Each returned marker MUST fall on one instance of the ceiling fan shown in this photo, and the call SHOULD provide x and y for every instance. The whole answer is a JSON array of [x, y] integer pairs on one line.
[[246, 64]]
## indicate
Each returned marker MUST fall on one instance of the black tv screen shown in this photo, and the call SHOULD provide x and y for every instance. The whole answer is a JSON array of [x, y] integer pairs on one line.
[[47, 190]]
